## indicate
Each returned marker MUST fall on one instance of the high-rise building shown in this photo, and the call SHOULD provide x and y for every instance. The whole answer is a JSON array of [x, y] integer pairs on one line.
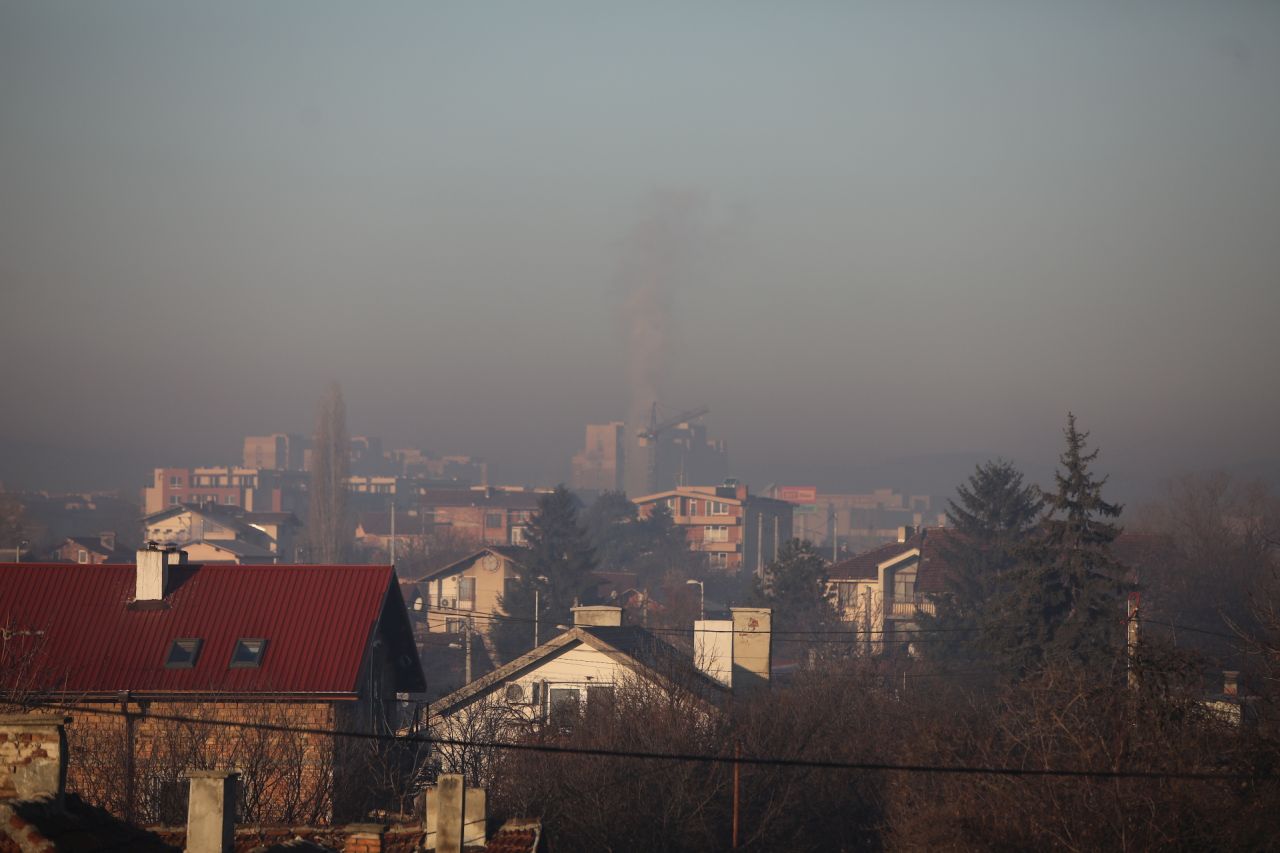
[[600, 464]]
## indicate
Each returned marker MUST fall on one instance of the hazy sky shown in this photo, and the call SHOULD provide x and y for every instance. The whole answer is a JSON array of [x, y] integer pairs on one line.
[[884, 230]]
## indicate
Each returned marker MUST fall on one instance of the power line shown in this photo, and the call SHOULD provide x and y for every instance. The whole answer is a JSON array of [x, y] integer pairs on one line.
[[704, 758]]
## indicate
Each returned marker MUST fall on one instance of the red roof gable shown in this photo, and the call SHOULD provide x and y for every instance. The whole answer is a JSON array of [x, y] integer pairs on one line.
[[318, 622]]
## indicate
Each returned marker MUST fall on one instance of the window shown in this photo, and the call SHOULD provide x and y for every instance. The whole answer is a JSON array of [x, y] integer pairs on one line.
[[248, 653], [230, 499], [83, 556], [183, 653], [716, 533], [518, 536], [454, 626], [564, 705], [719, 508], [417, 602], [719, 560], [467, 591], [846, 595], [173, 500], [693, 506], [904, 586], [673, 504], [508, 588], [493, 519]]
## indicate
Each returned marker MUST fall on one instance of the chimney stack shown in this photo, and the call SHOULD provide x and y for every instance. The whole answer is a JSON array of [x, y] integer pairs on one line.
[[152, 574], [905, 533], [33, 756], [752, 646], [599, 615], [713, 649], [1231, 682], [211, 811]]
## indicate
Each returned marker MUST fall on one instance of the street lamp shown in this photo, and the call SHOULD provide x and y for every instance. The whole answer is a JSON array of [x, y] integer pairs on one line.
[[702, 598], [543, 579]]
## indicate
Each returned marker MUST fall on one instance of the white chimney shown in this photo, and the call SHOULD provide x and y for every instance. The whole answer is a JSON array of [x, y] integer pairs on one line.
[[601, 615], [752, 646], [713, 649], [211, 811], [153, 574]]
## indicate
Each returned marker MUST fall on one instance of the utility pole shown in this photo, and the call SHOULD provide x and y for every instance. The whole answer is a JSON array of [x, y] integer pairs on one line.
[[393, 532], [737, 753], [535, 617]]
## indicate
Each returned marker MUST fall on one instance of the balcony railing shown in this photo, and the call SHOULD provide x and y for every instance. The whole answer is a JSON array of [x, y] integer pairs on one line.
[[906, 608]]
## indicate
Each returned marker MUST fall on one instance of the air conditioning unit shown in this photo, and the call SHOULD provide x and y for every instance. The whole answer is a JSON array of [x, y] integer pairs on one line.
[[516, 694], [446, 603]]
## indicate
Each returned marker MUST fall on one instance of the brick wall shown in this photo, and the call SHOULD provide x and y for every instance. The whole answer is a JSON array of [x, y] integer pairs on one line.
[[32, 756], [132, 765]]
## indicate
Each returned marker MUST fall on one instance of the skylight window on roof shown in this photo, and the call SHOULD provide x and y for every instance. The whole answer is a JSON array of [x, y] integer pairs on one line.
[[183, 653], [248, 652]]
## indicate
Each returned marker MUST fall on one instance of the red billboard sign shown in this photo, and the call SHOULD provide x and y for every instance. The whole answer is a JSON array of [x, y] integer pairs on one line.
[[798, 494]]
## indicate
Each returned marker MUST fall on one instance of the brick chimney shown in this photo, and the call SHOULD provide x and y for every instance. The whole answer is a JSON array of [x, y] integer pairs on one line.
[[211, 811], [33, 756], [600, 615], [905, 533]]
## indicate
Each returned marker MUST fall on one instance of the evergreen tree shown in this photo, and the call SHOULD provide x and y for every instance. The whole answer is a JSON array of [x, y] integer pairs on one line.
[[795, 586], [1065, 599], [328, 532], [652, 547], [992, 518], [558, 566]]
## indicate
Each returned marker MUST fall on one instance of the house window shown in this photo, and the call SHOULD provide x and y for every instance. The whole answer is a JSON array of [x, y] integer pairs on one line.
[[230, 499], [563, 706], [183, 653], [175, 481], [719, 508], [904, 586], [518, 536], [454, 626], [673, 504], [493, 519], [248, 653], [719, 560], [716, 533], [173, 500], [467, 593], [83, 556], [693, 506]]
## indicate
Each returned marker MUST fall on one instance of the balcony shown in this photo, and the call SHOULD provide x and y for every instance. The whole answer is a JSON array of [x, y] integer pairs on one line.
[[907, 608]]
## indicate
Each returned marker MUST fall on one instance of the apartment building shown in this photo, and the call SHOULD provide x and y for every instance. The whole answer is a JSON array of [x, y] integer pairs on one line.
[[488, 515], [256, 489], [737, 531]]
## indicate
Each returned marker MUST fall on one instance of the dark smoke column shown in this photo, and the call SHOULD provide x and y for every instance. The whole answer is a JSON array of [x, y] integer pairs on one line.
[[327, 530]]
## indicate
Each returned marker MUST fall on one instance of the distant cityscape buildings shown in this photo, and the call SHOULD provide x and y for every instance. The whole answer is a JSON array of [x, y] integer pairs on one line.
[[663, 454]]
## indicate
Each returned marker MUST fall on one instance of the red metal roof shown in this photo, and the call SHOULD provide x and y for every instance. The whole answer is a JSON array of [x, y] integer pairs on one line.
[[317, 620]]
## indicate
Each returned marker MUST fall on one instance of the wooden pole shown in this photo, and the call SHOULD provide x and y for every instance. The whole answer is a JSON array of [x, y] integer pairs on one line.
[[737, 753]]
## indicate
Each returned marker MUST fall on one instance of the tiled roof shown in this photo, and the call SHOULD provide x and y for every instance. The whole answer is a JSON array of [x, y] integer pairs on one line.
[[633, 646], [931, 575], [514, 553], [517, 835], [318, 622]]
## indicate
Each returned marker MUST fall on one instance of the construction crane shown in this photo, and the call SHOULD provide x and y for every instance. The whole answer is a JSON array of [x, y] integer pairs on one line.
[[648, 438]]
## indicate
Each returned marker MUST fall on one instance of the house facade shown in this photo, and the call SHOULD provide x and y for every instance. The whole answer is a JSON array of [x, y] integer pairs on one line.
[[167, 665], [470, 589], [489, 515], [589, 663], [210, 533]]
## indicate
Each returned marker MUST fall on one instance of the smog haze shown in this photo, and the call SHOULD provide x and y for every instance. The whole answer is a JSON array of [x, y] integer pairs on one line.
[[871, 238]]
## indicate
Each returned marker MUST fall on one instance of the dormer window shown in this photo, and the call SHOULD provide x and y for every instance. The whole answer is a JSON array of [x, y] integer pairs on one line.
[[248, 653], [183, 653]]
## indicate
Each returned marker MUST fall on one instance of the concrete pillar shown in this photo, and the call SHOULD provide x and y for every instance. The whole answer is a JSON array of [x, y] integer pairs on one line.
[[473, 817], [33, 755], [211, 811], [450, 801], [752, 646], [601, 615]]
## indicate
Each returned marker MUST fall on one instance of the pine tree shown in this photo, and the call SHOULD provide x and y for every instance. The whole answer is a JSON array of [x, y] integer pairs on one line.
[[992, 519], [328, 533], [558, 566], [1065, 600]]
